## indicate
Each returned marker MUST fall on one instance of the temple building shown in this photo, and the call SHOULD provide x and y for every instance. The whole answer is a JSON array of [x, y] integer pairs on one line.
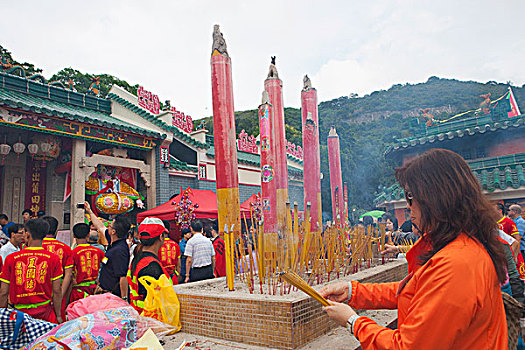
[[493, 144], [121, 153]]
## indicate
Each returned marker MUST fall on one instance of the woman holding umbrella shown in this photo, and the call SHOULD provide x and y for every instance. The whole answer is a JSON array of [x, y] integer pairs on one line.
[[451, 298]]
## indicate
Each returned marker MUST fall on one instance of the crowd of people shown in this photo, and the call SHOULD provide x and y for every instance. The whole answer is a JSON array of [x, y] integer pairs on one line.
[[41, 276]]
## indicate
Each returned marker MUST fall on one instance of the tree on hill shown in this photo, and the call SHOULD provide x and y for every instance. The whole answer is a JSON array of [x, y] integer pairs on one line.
[[82, 81], [28, 67]]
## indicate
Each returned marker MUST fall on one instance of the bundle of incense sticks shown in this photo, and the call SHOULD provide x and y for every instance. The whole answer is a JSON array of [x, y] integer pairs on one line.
[[296, 281]]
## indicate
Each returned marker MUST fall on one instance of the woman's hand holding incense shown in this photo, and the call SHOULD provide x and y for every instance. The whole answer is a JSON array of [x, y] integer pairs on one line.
[[337, 292], [390, 248], [339, 312]]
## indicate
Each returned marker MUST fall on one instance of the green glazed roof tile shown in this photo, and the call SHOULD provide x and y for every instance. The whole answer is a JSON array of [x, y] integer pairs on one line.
[[176, 164], [31, 103], [460, 128]]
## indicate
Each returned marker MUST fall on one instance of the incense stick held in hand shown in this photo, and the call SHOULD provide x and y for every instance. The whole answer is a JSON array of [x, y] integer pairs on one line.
[[295, 280]]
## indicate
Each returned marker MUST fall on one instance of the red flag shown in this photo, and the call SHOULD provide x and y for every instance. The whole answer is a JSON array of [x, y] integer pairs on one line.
[[515, 110]]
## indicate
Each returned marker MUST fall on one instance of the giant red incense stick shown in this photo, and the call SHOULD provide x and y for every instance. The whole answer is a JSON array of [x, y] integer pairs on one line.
[[225, 149], [273, 85], [312, 158], [336, 179]]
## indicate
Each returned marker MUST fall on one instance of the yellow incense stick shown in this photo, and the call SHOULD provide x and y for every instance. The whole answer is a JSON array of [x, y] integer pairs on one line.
[[296, 281]]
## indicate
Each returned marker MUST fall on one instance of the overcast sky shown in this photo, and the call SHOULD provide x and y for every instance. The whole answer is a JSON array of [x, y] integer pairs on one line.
[[344, 46]]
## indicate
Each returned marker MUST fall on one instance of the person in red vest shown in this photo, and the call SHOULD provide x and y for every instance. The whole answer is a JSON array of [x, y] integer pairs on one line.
[[31, 277], [86, 264], [509, 227], [146, 261], [220, 250], [169, 255], [51, 244]]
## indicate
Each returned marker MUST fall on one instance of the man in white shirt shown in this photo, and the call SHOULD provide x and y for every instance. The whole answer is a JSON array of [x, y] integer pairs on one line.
[[16, 232], [200, 255]]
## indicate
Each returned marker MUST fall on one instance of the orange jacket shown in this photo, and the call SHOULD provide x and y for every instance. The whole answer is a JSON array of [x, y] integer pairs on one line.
[[451, 302]]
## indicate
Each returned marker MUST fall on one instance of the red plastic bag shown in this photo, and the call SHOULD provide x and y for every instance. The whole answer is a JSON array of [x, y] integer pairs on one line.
[[94, 303]]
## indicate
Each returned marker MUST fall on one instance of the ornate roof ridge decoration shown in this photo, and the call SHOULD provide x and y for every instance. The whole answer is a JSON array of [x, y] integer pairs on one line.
[[219, 44], [493, 173], [469, 127], [12, 99], [53, 91], [155, 120]]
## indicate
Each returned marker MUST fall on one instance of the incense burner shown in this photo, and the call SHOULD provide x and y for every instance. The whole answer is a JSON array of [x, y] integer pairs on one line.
[[278, 321]]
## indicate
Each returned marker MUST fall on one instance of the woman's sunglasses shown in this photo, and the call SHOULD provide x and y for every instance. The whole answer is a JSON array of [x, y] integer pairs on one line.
[[409, 197]]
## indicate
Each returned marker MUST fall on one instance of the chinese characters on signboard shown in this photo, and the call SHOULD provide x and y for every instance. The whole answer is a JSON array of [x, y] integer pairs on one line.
[[164, 156], [296, 151], [35, 186], [148, 100], [247, 143], [181, 121]]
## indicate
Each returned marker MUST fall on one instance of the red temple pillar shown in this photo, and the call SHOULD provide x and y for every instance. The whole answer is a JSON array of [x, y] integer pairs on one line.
[[311, 155], [336, 178], [226, 170], [273, 85]]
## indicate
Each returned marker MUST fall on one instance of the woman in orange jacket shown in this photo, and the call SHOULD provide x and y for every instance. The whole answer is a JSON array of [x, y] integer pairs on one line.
[[451, 298]]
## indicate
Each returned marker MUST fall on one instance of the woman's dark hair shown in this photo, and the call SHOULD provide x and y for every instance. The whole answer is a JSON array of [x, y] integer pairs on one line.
[[451, 202], [395, 223]]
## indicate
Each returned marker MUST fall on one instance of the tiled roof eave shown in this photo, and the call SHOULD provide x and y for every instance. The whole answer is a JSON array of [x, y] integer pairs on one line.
[[155, 120], [416, 141], [76, 117]]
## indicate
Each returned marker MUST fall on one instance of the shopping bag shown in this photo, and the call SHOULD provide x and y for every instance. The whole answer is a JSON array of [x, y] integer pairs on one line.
[[161, 302]]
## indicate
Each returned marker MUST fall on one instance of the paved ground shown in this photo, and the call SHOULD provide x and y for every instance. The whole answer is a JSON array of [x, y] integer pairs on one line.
[[337, 339]]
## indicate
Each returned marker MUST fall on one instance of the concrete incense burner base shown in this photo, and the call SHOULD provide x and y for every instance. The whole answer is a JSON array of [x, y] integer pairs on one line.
[[283, 322]]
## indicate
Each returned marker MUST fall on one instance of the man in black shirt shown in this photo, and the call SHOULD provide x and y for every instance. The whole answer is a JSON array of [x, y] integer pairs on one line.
[[116, 261], [146, 262]]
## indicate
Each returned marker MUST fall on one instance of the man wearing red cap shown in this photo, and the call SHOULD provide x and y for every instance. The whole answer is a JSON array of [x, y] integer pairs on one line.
[[146, 261]]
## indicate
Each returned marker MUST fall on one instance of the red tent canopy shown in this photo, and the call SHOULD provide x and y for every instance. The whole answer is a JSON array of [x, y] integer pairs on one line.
[[246, 205], [206, 199]]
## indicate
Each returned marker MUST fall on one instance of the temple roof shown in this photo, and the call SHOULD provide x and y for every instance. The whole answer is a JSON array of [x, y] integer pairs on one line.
[[155, 120], [495, 173], [32, 96], [179, 165], [458, 129]]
